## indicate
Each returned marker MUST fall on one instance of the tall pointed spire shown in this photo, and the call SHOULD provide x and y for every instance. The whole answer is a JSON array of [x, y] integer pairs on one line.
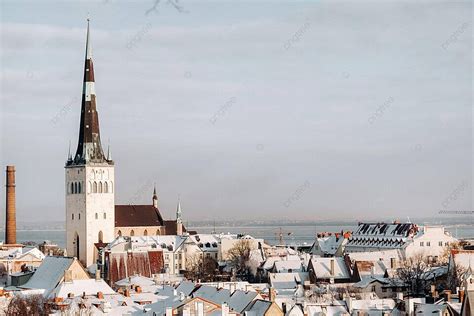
[[89, 147], [155, 197], [178, 210]]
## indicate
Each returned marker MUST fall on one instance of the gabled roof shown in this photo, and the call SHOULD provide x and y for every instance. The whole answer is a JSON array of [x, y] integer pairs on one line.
[[322, 268], [49, 273], [137, 215], [259, 307], [78, 287]]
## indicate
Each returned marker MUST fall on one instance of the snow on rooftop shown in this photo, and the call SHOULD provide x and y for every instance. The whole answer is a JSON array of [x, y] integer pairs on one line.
[[78, 287], [49, 273]]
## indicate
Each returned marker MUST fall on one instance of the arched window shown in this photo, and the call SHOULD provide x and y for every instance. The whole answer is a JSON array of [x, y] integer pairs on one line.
[[75, 187], [72, 216], [94, 187], [72, 188], [100, 187], [119, 233], [79, 215], [96, 216], [132, 233], [145, 233], [105, 215], [106, 187], [157, 232], [79, 187], [101, 237]]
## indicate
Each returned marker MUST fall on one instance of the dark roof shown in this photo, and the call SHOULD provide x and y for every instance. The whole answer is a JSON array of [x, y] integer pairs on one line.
[[170, 227], [137, 215]]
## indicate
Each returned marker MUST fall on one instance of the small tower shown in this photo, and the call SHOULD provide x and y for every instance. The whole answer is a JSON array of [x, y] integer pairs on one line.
[[155, 198], [179, 221]]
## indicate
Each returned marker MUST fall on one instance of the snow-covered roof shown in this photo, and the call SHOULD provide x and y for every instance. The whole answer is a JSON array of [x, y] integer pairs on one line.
[[373, 304], [236, 300], [259, 307], [206, 242], [287, 280], [287, 265], [135, 280], [322, 268], [186, 287], [328, 244], [160, 242], [78, 287], [49, 273], [462, 258]]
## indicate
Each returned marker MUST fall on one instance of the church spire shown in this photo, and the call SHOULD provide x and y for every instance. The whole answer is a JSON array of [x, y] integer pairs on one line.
[[89, 147]]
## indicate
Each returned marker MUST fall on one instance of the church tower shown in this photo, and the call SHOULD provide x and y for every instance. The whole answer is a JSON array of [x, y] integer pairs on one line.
[[90, 185]]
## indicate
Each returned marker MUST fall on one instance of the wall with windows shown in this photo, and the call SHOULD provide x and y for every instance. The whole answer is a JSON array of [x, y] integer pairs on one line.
[[139, 231]]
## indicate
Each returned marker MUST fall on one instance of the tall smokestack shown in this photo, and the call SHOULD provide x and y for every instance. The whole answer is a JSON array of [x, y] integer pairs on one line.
[[10, 231]]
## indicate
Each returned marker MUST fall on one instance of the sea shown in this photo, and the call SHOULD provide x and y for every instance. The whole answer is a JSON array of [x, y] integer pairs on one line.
[[297, 234]]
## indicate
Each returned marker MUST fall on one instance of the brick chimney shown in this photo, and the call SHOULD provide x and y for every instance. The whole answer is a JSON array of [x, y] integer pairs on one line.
[[10, 229]]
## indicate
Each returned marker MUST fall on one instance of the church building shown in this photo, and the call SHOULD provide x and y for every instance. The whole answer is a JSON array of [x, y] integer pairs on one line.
[[92, 218]]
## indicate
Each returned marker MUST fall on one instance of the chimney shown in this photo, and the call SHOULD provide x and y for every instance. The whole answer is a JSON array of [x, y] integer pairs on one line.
[[332, 267], [100, 295], [271, 294], [225, 309], [169, 311], [10, 229], [126, 293], [461, 296]]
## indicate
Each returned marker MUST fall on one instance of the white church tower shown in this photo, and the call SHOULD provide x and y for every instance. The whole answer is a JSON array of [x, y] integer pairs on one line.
[[90, 186]]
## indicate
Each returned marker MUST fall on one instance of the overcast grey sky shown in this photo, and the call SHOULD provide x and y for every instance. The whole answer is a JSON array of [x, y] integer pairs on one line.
[[258, 110]]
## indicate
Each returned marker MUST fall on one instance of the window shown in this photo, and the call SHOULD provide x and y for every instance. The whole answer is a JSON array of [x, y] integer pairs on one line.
[[440, 244], [422, 243], [75, 187], [79, 187], [79, 215], [96, 216], [106, 187], [100, 187], [100, 237], [94, 187], [72, 188], [119, 233], [105, 215], [132, 233], [428, 244], [446, 244], [145, 233], [157, 232], [384, 289], [72, 216], [373, 288]]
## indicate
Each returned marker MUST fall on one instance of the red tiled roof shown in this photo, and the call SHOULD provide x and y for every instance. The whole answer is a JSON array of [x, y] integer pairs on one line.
[[137, 215], [170, 227]]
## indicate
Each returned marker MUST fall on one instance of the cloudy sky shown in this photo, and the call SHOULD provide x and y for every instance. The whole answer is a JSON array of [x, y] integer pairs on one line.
[[248, 110]]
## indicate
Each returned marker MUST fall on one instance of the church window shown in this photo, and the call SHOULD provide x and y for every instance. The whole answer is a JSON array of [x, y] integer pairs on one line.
[[132, 233], [106, 187], [105, 215], [94, 187], [100, 237], [79, 187], [79, 215], [100, 186], [145, 233], [72, 216], [96, 216], [119, 233], [157, 232], [72, 188]]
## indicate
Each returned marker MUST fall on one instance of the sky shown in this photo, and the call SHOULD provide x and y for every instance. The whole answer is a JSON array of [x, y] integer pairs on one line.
[[258, 110]]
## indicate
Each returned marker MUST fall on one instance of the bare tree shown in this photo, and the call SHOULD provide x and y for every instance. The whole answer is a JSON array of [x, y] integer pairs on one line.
[[201, 267], [28, 305], [239, 256], [455, 277], [412, 271]]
